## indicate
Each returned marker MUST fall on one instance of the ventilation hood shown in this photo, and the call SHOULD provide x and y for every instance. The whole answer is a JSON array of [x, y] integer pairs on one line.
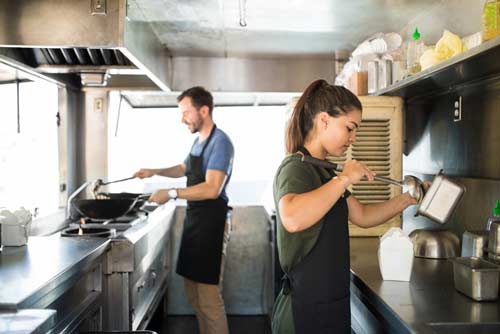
[[104, 42]]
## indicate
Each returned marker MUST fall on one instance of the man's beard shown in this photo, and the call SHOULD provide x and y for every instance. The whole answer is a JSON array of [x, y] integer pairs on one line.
[[197, 126]]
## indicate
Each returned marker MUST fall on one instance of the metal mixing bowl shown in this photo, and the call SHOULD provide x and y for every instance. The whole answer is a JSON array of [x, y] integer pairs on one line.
[[435, 244]]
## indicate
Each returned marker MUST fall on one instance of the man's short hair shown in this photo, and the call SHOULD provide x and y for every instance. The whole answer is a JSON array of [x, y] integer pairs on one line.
[[199, 97]]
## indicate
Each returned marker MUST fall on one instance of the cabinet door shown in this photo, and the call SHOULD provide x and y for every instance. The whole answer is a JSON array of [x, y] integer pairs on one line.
[[379, 145]]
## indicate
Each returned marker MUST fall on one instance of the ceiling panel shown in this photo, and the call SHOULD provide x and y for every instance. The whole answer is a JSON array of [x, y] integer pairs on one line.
[[298, 27]]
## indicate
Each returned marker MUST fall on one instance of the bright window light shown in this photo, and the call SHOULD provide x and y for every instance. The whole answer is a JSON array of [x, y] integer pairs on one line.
[[29, 161], [156, 138]]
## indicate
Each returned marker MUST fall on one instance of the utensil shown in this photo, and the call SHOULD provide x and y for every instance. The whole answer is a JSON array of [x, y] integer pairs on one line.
[[440, 199], [435, 244], [124, 195], [476, 278], [99, 182], [412, 183], [106, 208], [437, 203]]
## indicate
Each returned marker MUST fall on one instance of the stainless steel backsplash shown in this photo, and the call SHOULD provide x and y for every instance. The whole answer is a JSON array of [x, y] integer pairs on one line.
[[468, 151]]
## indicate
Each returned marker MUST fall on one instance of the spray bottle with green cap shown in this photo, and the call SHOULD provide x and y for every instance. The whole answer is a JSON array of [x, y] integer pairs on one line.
[[495, 217], [416, 48]]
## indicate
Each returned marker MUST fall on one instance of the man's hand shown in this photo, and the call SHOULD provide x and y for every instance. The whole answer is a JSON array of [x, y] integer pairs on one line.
[[160, 196], [144, 173]]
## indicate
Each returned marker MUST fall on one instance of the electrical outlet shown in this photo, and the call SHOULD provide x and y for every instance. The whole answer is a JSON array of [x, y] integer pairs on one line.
[[457, 110], [98, 7], [98, 104]]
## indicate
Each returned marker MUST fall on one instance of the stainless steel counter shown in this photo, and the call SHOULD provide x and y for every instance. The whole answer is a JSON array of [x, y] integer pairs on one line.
[[27, 321], [29, 272], [429, 297]]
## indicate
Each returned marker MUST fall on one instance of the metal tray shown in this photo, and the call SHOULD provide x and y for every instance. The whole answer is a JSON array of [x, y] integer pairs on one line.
[[476, 278]]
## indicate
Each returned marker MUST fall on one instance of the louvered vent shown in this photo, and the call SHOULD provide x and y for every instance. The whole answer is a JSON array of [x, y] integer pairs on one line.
[[379, 146], [372, 147], [80, 56]]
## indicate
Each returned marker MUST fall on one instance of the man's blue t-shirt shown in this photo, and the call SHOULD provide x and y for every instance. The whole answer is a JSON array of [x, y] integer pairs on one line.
[[218, 155]]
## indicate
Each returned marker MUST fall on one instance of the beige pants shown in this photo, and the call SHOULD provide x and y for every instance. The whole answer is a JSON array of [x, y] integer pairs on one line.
[[206, 299]]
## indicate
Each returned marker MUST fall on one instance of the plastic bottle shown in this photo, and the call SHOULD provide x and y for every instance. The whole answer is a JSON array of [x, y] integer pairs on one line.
[[416, 48], [495, 217], [491, 19]]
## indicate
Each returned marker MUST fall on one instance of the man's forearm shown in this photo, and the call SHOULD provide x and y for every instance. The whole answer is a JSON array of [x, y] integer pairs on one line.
[[174, 171], [199, 192]]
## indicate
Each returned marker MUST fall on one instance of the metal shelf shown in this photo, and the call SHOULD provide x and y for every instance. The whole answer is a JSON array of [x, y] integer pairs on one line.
[[479, 63]]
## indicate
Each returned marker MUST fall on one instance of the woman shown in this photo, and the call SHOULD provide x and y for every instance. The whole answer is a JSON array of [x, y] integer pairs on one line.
[[314, 206]]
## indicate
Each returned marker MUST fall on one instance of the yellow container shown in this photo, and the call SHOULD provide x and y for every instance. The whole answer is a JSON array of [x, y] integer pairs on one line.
[[491, 19]]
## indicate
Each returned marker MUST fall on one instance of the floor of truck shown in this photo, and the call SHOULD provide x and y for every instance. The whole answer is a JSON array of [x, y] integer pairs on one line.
[[187, 324]]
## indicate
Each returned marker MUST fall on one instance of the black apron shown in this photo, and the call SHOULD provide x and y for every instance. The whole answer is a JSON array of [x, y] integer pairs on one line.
[[319, 284], [200, 253]]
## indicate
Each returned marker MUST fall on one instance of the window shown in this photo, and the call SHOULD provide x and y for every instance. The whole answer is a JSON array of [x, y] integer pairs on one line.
[[156, 138], [29, 161]]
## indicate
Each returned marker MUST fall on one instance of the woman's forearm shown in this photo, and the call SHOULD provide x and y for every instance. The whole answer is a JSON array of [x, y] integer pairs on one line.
[[378, 213], [301, 211]]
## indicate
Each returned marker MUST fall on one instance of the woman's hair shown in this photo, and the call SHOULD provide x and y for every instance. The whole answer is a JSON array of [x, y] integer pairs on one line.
[[319, 96]]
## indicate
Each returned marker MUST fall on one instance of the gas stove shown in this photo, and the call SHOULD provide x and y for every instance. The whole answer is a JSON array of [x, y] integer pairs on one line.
[[117, 225], [137, 263]]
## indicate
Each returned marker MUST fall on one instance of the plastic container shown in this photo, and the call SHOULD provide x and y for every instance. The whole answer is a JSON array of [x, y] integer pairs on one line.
[[491, 19], [395, 255], [15, 227], [416, 48]]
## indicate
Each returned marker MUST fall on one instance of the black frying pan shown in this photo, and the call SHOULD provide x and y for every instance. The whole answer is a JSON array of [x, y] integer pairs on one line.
[[141, 198], [107, 208]]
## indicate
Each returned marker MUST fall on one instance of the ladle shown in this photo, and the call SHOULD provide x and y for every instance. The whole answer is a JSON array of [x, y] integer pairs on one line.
[[412, 183]]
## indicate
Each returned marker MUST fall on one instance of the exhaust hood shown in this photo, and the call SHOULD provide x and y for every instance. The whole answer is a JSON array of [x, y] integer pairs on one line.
[[105, 42]]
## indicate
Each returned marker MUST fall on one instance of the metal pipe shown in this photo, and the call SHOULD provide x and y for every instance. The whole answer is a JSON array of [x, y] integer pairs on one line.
[[73, 195], [243, 13], [18, 108]]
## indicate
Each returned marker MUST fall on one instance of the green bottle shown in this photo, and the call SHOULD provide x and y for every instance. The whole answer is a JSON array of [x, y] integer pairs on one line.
[[495, 217], [415, 50]]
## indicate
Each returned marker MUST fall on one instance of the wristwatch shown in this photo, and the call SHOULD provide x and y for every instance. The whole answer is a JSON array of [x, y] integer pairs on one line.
[[172, 193]]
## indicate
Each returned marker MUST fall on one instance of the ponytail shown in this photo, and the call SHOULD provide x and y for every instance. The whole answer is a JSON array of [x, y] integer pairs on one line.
[[319, 96]]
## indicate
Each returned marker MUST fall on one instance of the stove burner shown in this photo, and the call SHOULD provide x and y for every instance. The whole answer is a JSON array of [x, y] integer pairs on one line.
[[100, 232]]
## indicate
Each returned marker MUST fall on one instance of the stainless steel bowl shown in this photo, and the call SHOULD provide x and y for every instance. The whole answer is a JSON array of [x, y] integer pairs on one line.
[[435, 244]]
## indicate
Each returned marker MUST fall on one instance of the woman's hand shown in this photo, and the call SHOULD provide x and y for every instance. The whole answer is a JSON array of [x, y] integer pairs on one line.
[[408, 199], [355, 171]]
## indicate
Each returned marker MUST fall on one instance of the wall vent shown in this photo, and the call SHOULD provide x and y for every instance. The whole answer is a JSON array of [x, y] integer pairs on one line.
[[378, 145]]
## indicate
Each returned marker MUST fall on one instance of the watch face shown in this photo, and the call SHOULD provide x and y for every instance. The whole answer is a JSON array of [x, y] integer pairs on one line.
[[172, 193]]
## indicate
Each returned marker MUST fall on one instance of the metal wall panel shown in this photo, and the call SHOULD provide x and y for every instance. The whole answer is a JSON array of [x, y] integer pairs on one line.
[[467, 150], [250, 75]]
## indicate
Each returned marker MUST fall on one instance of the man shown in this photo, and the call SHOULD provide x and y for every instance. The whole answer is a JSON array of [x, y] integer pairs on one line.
[[208, 169]]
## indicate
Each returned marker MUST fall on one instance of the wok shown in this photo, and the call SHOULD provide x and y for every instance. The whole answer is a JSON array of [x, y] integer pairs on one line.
[[109, 208], [142, 198]]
